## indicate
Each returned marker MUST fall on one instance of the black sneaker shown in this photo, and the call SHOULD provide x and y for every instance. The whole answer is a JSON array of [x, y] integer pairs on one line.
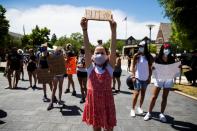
[[50, 106], [117, 91], [45, 99], [55, 100], [82, 100], [113, 88], [33, 87], [61, 102], [74, 93], [67, 91]]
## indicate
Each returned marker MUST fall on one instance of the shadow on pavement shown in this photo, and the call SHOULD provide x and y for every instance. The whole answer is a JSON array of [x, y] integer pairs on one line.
[[184, 126], [2, 115], [37, 88], [177, 125], [126, 92], [18, 88], [70, 110], [78, 96]]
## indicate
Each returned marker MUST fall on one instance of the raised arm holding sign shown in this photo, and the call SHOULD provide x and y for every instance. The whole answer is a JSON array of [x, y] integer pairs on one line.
[[100, 70]]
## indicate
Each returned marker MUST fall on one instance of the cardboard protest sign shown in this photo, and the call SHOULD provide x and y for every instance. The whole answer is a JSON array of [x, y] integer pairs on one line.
[[44, 76], [100, 15], [57, 65], [71, 65]]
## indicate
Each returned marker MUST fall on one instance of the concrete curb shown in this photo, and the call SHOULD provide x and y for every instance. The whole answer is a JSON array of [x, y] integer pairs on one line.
[[181, 93]]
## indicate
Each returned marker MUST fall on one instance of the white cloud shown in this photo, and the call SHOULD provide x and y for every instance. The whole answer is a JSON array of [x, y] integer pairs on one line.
[[65, 19]]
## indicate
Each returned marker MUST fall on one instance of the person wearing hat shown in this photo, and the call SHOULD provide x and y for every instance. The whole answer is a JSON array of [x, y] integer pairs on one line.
[[20, 52], [141, 75], [82, 73], [165, 57]]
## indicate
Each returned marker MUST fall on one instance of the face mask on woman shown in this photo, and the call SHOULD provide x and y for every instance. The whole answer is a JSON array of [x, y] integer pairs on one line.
[[141, 49], [166, 52], [99, 59]]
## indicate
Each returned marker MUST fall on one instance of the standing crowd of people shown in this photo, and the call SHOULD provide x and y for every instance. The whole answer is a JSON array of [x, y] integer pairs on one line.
[[102, 67]]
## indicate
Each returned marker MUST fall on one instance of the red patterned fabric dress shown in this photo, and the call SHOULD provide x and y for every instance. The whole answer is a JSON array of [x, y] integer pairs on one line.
[[99, 109]]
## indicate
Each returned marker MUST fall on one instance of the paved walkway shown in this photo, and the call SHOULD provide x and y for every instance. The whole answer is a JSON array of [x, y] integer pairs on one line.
[[26, 111]]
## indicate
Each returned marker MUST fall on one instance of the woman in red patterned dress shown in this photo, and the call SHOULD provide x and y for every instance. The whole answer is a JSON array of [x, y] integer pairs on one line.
[[99, 110]]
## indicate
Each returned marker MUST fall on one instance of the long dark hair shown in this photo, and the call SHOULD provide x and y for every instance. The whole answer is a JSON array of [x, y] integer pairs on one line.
[[161, 52], [146, 54]]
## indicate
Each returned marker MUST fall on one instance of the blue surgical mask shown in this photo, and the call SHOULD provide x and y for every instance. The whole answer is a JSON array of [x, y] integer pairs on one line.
[[141, 49], [166, 52], [99, 59]]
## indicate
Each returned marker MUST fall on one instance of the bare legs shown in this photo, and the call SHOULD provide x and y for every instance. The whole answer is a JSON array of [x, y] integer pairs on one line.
[[30, 74], [71, 82], [135, 97], [82, 83], [118, 81], [16, 78]]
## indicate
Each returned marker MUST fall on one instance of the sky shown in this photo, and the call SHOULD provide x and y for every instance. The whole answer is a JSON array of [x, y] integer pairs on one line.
[[63, 17]]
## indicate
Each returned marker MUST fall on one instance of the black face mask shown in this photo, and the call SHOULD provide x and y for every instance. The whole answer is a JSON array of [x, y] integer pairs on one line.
[[82, 51]]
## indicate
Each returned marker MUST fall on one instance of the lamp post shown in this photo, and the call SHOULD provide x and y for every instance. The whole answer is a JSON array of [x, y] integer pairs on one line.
[[150, 26]]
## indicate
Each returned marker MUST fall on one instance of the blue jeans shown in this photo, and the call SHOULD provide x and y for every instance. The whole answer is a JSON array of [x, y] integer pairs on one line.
[[139, 84]]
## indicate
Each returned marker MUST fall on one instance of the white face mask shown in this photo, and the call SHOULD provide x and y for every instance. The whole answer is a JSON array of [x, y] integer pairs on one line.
[[99, 59], [141, 49], [166, 52]]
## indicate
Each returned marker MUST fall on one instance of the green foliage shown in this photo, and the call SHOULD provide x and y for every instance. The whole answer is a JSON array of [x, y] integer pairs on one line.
[[53, 39], [4, 27], [61, 41], [153, 48], [119, 45], [26, 40], [183, 15], [13, 42], [39, 36], [77, 37]]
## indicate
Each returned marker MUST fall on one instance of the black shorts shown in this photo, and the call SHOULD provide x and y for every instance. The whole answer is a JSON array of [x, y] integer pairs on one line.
[[116, 74], [31, 67], [82, 74]]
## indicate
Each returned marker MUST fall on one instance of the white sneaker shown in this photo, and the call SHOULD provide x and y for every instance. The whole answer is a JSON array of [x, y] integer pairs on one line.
[[162, 118], [132, 113], [147, 116], [140, 111]]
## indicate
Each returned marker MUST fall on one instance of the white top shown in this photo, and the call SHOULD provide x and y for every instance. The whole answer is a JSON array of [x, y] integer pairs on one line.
[[99, 70], [81, 61], [142, 69]]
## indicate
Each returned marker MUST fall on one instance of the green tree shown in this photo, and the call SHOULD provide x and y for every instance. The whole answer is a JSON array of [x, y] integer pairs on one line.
[[77, 37], [53, 39], [4, 27], [61, 41], [26, 40], [183, 14], [153, 48], [119, 45], [39, 36]]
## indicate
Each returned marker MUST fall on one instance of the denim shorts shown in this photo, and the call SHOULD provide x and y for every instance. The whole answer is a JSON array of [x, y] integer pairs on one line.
[[139, 84]]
